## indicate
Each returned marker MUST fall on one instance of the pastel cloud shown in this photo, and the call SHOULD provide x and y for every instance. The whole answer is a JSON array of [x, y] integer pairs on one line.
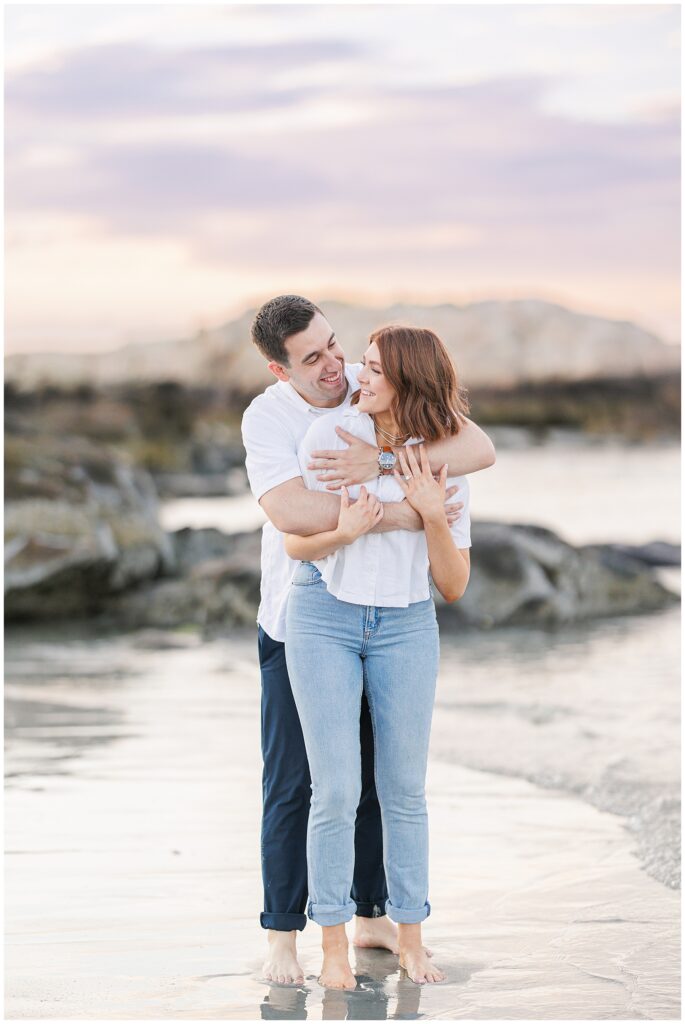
[[134, 79], [291, 157]]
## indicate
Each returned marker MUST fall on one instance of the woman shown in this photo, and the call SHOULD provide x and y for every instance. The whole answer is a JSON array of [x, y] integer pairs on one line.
[[361, 616]]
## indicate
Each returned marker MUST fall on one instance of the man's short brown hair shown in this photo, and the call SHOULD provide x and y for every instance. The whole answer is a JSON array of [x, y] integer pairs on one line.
[[277, 320]]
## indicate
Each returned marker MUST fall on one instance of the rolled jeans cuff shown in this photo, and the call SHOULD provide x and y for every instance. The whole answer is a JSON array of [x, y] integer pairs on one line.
[[401, 916], [330, 915], [283, 922], [371, 908]]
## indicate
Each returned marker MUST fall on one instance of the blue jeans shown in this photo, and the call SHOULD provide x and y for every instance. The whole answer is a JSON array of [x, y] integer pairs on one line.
[[286, 796], [336, 651]]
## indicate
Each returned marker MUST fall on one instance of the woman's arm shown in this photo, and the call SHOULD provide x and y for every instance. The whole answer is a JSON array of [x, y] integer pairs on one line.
[[450, 566], [308, 549], [355, 519]]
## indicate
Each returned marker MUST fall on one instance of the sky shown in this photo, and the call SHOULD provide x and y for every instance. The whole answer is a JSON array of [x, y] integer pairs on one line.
[[169, 166]]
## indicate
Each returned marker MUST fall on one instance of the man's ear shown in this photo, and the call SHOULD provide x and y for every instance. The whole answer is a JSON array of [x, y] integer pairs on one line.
[[279, 371]]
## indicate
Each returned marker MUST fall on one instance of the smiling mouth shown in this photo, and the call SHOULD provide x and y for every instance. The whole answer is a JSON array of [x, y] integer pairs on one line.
[[332, 379], [368, 394]]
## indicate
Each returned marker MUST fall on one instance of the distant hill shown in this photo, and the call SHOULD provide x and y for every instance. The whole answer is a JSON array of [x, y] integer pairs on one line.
[[494, 344]]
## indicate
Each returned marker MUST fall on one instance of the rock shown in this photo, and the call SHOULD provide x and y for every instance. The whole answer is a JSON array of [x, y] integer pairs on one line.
[[659, 552], [219, 584], [521, 575], [201, 485], [81, 525], [526, 575], [241, 550], [213, 601]]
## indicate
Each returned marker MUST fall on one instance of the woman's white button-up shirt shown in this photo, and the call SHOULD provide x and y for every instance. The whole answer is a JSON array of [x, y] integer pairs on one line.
[[384, 569]]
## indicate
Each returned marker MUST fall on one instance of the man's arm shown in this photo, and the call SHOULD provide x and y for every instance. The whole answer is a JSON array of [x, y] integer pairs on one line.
[[356, 518], [466, 452], [275, 478], [292, 508]]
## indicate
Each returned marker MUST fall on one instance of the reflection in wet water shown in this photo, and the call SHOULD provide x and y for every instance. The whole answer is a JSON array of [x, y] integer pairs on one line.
[[383, 992], [45, 737], [284, 1003], [379, 995]]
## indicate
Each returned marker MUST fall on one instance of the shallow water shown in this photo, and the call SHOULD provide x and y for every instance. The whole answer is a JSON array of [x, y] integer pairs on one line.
[[133, 801], [132, 820], [592, 709]]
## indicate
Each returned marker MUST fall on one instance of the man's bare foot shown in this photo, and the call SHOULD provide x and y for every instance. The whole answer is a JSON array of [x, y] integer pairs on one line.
[[336, 971], [281, 963], [378, 933]]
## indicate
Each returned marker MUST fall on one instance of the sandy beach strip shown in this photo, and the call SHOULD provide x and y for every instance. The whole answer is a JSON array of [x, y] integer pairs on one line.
[[133, 879]]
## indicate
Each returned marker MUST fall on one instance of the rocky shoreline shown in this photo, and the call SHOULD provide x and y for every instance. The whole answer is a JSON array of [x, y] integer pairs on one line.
[[143, 577], [83, 540], [521, 575]]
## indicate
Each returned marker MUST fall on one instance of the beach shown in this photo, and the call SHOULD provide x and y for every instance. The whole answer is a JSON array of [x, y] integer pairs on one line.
[[132, 829], [212, 210]]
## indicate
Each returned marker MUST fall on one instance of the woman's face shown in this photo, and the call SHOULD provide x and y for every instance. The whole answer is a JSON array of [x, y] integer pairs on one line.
[[377, 395]]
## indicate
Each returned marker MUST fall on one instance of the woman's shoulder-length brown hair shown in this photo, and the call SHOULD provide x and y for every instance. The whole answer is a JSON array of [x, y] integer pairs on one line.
[[431, 403]]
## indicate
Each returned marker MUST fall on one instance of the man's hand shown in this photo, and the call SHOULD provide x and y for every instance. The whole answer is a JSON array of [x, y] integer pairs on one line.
[[399, 515], [452, 510], [352, 465]]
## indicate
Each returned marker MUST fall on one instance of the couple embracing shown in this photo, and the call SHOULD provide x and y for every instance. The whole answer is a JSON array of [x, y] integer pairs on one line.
[[361, 470]]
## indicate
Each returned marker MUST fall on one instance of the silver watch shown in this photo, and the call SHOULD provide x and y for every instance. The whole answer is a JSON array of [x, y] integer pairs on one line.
[[387, 460]]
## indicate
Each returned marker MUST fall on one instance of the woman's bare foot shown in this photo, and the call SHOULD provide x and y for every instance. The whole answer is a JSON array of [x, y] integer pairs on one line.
[[413, 956], [378, 933], [336, 971], [281, 963]]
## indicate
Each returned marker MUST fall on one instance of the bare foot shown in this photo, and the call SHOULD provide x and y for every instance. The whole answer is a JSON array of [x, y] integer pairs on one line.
[[336, 971], [378, 933], [418, 966], [281, 963]]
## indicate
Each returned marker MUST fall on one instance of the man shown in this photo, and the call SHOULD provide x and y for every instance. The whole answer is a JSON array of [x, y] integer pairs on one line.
[[305, 356]]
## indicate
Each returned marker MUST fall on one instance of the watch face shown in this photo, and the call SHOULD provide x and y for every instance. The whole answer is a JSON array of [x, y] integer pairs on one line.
[[387, 460]]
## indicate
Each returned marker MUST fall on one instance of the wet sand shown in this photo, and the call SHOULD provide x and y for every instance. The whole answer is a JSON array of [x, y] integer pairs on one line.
[[133, 878]]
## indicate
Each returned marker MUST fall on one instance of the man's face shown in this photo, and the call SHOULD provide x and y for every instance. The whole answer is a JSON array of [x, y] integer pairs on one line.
[[317, 364]]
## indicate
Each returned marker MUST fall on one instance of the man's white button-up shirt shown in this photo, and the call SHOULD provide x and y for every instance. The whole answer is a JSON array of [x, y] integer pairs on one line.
[[273, 426]]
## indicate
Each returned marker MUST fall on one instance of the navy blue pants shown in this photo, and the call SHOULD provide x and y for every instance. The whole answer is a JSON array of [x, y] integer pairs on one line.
[[286, 794]]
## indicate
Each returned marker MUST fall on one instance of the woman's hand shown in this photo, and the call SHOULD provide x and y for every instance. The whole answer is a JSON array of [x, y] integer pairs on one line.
[[358, 517], [423, 492]]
